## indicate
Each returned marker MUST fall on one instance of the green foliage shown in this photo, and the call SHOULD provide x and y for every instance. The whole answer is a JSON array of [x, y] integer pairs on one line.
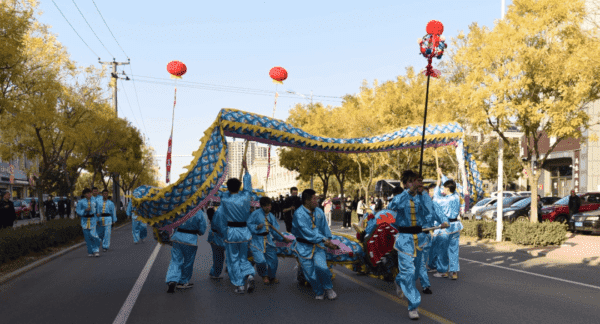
[[537, 234], [36, 238], [487, 154], [522, 233]]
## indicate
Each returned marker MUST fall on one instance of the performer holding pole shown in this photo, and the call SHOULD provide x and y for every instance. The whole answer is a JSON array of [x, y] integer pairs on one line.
[[138, 229], [313, 236], [108, 217], [236, 208], [410, 220], [86, 209], [447, 198], [264, 228], [183, 252], [217, 241]]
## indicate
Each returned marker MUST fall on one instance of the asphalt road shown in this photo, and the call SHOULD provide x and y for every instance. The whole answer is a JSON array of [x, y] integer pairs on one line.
[[75, 288]]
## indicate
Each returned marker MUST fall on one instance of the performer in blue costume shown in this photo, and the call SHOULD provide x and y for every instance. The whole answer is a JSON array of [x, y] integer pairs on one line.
[[236, 208], [313, 236], [86, 208], [98, 200], [411, 210], [447, 252], [217, 241], [430, 220], [108, 216], [262, 246], [183, 252], [138, 229]]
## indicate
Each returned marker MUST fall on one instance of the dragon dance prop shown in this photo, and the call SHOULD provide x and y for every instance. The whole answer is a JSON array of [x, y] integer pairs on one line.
[[169, 207], [432, 45], [176, 69]]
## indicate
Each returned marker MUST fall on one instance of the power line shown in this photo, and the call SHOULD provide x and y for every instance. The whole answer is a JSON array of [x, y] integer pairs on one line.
[[127, 97], [268, 93], [88, 46], [136, 98], [215, 87], [113, 35], [91, 28]]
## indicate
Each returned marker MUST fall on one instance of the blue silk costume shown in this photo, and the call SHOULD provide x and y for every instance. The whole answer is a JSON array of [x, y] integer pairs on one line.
[[217, 242], [88, 224], [313, 228], [262, 245], [185, 245], [411, 211], [138, 229], [448, 238], [108, 216], [236, 208]]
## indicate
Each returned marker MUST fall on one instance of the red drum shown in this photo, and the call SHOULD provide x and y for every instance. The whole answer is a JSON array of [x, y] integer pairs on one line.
[[381, 243]]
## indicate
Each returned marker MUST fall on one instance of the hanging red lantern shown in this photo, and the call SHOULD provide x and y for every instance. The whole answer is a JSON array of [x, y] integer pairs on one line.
[[435, 27], [278, 74], [177, 69]]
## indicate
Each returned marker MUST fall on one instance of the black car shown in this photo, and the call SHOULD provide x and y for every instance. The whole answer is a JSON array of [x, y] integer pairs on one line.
[[487, 212], [546, 201], [588, 221], [518, 211]]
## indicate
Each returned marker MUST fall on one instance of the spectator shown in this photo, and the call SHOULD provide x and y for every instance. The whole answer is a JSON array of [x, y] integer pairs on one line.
[[327, 208], [292, 203], [574, 204], [347, 213], [378, 204], [61, 207], [50, 208], [360, 208], [68, 207], [7, 211]]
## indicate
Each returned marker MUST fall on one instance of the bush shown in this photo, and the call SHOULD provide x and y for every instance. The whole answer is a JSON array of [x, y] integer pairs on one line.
[[524, 233], [20, 241], [538, 234]]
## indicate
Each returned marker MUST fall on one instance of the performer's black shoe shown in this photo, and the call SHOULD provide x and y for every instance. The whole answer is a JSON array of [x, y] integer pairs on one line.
[[172, 286], [427, 291], [250, 284]]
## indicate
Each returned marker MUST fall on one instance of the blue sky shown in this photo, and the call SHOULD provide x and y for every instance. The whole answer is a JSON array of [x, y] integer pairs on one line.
[[328, 47]]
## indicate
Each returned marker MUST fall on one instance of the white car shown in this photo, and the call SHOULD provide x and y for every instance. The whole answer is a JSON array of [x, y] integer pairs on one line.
[[482, 204], [506, 194], [524, 193]]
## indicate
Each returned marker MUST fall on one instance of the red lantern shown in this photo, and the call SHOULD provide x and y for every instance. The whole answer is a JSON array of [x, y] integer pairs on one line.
[[435, 27], [177, 69], [278, 74]]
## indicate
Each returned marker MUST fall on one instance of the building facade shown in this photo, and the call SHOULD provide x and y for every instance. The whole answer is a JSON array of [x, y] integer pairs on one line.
[[14, 179], [280, 180]]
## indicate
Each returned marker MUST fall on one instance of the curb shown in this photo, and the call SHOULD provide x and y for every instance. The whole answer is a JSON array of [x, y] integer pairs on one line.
[[47, 259]]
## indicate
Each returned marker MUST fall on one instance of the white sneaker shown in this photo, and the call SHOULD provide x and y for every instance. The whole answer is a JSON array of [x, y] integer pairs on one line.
[[440, 275], [185, 286], [330, 294], [90, 255], [399, 291], [250, 284], [413, 314], [96, 254], [320, 297]]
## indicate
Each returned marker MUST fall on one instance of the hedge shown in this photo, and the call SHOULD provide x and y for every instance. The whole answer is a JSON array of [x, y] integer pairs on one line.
[[524, 233], [35, 238]]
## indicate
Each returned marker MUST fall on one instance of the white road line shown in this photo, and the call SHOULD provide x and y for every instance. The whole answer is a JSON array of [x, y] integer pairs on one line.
[[135, 291], [534, 274]]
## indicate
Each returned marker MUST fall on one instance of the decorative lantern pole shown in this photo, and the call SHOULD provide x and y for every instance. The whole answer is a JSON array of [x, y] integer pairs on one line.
[[432, 45], [176, 69], [278, 74]]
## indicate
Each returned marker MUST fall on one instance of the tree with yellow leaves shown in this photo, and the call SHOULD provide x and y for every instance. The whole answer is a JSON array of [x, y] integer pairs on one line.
[[536, 69]]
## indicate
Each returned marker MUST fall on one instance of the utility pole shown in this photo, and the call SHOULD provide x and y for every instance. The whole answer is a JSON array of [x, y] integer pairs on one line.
[[114, 77], [500, 196]]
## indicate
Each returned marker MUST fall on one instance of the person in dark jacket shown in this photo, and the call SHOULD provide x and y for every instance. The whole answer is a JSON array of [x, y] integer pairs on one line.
[[68, 207], [574, 204], [7, 211], [292, 203], [50, 208], [61, 207]]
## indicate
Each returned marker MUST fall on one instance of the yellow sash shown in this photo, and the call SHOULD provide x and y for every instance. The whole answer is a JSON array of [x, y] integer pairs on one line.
[[413, 222], [103, 208]]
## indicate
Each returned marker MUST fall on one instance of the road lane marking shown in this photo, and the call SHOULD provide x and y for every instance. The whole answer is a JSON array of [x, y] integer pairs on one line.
[[393, 298], [534, 274], [135, 291]]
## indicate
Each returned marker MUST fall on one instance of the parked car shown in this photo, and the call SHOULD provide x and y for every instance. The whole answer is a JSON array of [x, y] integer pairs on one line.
[[518, 211], [547, 201], [22, 209], [480, 204], [559, 211], [524, 193], [505, 194], [487, 212], [586, 222]]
